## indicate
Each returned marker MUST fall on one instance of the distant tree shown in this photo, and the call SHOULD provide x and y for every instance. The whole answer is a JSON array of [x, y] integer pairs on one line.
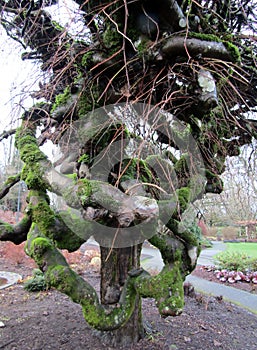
[[146, 100], [16, 191], [237, 202]]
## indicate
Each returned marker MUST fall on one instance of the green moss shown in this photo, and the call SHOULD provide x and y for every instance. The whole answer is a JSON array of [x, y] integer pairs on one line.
[[233, 50], [11, 179], [166, 288], [84, 159], [62, 278], [84, 190], [181, 166], [180, 230], [73, 176], [61, 99], [159, 242], [33, 177], [42, 214], [88, 100], [136, 169], [38, 247], [27, 145], [86, 58], [57, 26], [32, 172], [112, 39], [204, 36], [183, 195]]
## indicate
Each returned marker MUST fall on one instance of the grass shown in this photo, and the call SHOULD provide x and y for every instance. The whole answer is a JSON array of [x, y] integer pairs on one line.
[[250, 249]]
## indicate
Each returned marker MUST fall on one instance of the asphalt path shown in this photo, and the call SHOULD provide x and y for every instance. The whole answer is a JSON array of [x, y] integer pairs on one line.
[[152, 261]]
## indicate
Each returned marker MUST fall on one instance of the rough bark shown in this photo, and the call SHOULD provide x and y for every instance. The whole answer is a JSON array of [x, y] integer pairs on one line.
[[184, 46], [115, 265]]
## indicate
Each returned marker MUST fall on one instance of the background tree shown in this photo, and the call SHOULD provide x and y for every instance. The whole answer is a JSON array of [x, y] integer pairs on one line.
[[170, 70], [237, 202]]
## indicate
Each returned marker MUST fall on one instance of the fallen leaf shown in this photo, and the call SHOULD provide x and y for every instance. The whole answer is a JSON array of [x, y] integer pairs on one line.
[[216, 343]]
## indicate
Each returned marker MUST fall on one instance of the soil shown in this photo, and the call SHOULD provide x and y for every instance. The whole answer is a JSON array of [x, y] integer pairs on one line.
[[50, 320]]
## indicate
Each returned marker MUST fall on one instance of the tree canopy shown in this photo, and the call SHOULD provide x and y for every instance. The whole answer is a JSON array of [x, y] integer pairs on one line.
[[145, 100]]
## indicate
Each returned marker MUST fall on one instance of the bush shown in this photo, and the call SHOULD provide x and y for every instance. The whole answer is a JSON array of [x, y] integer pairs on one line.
[[206, 243], [37, 283], [253, 264], [235, 261]]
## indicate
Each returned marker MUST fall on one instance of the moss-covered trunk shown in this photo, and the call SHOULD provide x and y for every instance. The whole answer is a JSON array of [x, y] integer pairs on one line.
[[115, 264]]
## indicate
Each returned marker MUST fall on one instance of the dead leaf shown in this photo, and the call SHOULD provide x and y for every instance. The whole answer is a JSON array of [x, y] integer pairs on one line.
[[216, 343], [187, 339]]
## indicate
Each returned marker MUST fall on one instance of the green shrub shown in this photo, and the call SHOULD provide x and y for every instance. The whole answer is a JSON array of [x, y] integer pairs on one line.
[[206, 243], [253, 264], [235, 261], [37, 283]]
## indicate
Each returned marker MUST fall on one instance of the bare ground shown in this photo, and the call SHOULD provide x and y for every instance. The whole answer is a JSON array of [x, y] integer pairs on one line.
[[49, 320]]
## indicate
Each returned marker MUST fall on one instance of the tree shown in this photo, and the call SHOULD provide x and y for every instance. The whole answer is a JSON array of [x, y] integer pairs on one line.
[[145, 100], [237, 201]]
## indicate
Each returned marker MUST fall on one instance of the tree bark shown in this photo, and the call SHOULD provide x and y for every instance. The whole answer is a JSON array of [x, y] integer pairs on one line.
[[115, 264], [192, 46]]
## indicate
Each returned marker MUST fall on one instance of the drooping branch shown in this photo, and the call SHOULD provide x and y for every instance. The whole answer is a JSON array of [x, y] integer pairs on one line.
[[166, 288], [58, 274], [169, 244]]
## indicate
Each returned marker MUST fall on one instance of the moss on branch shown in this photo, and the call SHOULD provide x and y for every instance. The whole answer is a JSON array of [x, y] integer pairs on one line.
[[195, 46], [58, 274], [166, 288]]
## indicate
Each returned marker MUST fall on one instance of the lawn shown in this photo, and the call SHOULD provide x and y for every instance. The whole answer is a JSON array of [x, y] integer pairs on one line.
[[245, 247]]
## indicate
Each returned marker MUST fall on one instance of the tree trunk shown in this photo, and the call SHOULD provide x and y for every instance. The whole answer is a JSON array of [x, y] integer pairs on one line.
[[115, 264]]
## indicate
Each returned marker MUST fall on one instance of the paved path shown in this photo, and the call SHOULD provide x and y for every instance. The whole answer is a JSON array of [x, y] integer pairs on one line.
[[152, 260], [236, 296], [233, 295], [207, 255]]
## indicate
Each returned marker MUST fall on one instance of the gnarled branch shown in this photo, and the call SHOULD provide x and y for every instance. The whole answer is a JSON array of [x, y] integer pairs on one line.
[[6, 134], [181, 46], [58, 274], [9, 183], [15, 233]]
